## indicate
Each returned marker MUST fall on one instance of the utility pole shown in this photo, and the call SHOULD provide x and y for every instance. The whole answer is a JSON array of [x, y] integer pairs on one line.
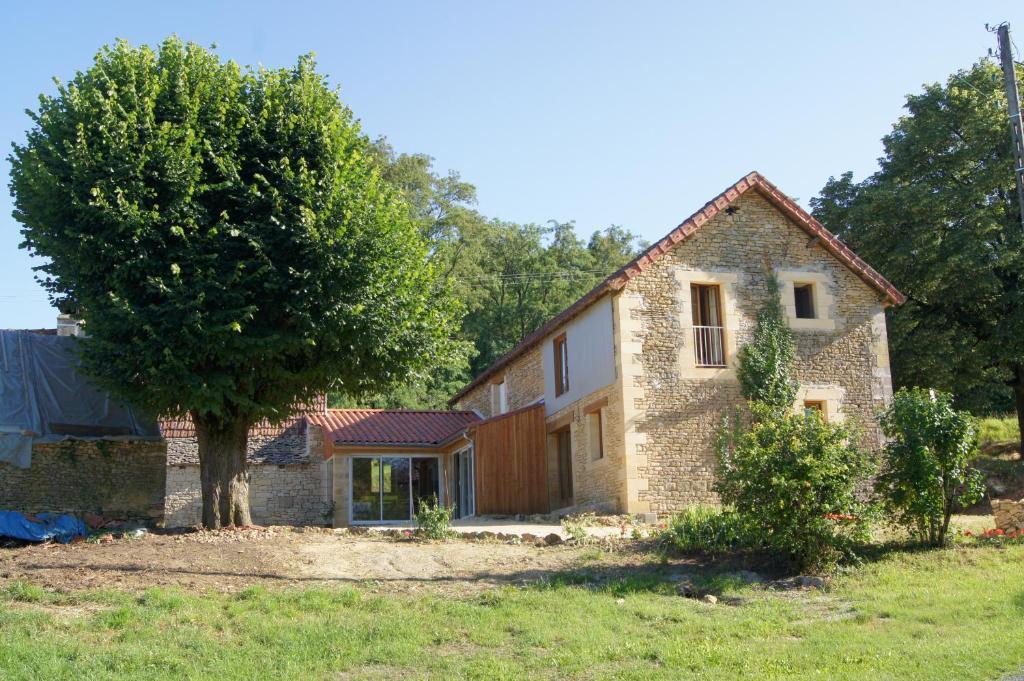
[[1016, 126]]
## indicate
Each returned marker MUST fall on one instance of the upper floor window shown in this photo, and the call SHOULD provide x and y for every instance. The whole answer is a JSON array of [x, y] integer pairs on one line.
[[499, 396], [803, 300], [561, 354], [807, 298], [708, 331]]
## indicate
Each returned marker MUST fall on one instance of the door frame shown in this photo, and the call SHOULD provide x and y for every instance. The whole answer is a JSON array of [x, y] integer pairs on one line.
[[440, 486], [470, 456]]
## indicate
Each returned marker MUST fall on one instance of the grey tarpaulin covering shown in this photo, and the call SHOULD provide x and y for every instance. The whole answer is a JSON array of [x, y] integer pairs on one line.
[[44, 398]]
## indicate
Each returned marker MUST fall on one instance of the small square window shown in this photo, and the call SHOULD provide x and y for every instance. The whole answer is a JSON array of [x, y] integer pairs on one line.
[[815, 406], [803, 298]]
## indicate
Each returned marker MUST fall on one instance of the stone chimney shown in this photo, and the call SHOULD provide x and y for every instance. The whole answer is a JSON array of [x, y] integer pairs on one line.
[[68, 326]]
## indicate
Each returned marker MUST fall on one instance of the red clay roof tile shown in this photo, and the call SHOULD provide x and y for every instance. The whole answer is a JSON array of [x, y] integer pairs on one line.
[[392, 427]]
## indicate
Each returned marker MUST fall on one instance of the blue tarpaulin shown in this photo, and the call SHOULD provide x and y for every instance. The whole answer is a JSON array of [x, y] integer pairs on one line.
[[42, 527], [44, 398]]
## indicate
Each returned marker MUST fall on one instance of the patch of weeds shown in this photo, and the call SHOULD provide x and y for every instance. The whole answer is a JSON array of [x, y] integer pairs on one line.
[[433, 520], [639, 584], [23, 591], [576, 528], [117, 619], [591, 555], [159, 599]]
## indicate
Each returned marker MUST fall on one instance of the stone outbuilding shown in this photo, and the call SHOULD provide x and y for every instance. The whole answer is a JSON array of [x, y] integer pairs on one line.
[[65, 445]]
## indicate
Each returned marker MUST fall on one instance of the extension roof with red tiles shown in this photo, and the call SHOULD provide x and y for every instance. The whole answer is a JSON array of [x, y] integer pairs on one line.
[[393, 427], [617, 280]]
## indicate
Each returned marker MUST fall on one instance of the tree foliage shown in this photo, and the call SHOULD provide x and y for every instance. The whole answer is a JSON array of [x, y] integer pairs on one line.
[[940, 220], [765, 368], [509, 277], [926, 475], [229, 243]]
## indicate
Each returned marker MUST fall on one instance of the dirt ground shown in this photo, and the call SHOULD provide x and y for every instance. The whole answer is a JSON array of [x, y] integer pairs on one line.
[[233, 560]]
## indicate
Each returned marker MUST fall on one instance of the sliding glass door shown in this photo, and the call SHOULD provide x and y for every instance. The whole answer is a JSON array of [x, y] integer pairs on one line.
[[463, 487], [390, 488]]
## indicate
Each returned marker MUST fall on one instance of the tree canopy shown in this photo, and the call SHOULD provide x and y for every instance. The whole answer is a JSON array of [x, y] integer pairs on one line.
[[228, 240], [940, 220], [509, 277]]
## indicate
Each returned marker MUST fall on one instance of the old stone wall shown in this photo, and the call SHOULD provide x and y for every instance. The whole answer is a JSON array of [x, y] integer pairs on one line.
[[676, 408], [296, 494], [524, 385], [1009, 515], [596, 480], [123, 480]]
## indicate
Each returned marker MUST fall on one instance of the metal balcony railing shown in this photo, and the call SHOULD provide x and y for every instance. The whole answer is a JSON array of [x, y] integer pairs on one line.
[[709, 346]]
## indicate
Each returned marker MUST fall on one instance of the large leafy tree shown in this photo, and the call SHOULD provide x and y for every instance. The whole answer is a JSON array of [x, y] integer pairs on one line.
[[229, 243], [509, 277], [940, 219]]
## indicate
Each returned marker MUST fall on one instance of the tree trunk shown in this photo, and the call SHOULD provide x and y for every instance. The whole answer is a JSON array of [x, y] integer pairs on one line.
[[1018, 401], [225, 482]]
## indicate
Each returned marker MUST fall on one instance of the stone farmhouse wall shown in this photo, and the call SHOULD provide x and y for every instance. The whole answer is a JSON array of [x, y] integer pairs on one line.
[[278, 495], [673, 411], [524, 385], [289, 483], [597, 481], [120, 480]]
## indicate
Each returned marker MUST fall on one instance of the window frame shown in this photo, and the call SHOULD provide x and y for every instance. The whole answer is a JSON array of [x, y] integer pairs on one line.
[[595, 427], [560, 351], [809, 288]]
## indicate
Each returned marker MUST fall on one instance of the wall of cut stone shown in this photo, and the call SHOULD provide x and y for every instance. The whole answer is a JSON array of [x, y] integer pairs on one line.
[[121, 480], [674, 413], [297, 494]]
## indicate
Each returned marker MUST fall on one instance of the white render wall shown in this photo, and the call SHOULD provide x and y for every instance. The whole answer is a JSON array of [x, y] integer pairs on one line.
[[297, 494], [591, 349]]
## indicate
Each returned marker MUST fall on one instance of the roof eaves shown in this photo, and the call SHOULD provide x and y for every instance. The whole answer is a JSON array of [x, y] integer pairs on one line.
[[618, 279]]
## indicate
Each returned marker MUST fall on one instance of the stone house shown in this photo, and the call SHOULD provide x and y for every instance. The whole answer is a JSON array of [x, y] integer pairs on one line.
[[635, 377]]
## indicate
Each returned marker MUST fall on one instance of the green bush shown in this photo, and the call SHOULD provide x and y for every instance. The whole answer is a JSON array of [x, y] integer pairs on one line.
[[998, 429], [433, 521], [706, 529], [926, 474], [795, 477]]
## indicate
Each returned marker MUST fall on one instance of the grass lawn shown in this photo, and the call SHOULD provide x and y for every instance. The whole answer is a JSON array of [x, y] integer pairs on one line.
[[950, 614]]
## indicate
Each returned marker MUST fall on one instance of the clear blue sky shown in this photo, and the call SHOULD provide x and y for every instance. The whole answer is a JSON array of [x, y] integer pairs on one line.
[[631, 113]]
